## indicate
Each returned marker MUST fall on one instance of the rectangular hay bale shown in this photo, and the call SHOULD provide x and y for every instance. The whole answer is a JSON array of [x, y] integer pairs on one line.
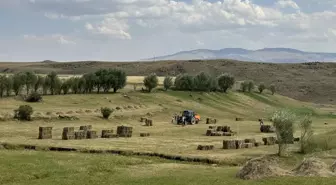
[[68, 133], [143, 119], [269, 140], [205, 147], [239, 143], [250, 140], [144, 134], [124, 131], [81, 134], [45, 133], [248, 145], [91, 134], [229, 144], [149, 122], [211, 121], [85, 127], [106, 133]]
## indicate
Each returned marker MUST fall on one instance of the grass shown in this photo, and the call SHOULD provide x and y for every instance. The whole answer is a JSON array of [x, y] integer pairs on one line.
[[48, 168]]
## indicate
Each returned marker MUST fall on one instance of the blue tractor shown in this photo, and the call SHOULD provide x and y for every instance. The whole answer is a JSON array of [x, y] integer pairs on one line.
[[188, 117]]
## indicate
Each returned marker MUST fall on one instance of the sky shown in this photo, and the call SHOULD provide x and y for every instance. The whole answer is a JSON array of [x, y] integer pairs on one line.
[[125, 30]]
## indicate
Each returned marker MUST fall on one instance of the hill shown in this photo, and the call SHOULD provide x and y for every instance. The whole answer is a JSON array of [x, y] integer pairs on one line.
[[305, 81], [273, 55]]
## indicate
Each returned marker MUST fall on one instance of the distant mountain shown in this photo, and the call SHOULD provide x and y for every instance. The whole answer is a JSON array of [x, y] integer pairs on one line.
[[272, 55]]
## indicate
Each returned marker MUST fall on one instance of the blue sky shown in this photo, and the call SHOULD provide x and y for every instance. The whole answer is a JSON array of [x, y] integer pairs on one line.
[[114, 30]]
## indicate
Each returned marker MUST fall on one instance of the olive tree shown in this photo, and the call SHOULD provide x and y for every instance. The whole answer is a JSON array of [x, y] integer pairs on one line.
[[167, 82], [151, 82], [225, 82]]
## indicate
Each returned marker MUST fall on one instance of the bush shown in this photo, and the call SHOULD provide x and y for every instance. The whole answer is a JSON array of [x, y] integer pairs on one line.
[[34, 97], [23, 113], [261, 87], [250, 86], [151, 81], [306, 142], [106, 112], [283, 121], [202, 82], [272, 89], [225, 82], [167, 82], [184, 82], [244, 86]]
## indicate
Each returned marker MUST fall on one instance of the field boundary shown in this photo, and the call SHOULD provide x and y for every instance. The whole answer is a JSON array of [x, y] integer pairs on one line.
[[9, 146]]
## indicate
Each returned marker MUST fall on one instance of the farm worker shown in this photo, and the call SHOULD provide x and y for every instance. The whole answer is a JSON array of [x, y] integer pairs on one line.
[[261, 122]]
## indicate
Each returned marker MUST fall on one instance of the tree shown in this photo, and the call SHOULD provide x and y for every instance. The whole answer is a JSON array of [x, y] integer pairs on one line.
[[214, 84], [18, 82], [306, 143], [101, 75], [2, 85], [151, 82], [120, 79], [9, 85], [202, 82], [66, 86], [74, 84], [53, 82], [81, 85], [250, 86], [283, 122], [167, 82], [91, 80], [244, 86], [261, 87], [24, 112], [272, 88], [225, 82], [30, 80], [184, 82], [39, 83], [45, 85]]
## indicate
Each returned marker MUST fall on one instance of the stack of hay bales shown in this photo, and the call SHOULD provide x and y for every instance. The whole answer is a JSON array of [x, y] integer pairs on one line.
[[229, 144], [267, 129], [211, 121], [143, 119], [108, 134], [80, 134], [149, 122], [239, 119], [219, 131], [124, 131], [205, 147], [144, 134], [45, 133], [85, 127], [91, 134], [68, 133], [269, 140]]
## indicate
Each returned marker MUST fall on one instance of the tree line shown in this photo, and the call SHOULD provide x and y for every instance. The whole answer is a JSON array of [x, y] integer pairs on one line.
[[102, 80]]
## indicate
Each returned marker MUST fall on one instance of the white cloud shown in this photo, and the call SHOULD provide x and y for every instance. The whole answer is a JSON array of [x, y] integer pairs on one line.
[[54, 38], [287, 3], [110, 27]]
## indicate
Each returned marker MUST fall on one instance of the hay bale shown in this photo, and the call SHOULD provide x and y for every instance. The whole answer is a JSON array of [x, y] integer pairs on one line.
[[257, 144], [205, 147], [250, 140], [88, 111], [118, 108], [297, 139], [239, 143], [124, 131], [68, 133], [144, 134], [267, 129], [85, 127], [248, 145], [313, 167], [211, 121], [81, 134], [106, 133], [260, 168], [91, 134], [239, 119], [45, 133], [229, 144], [130, 106], [212, 127], [143, 119], [149, 122], [209, 132], [269, 140]]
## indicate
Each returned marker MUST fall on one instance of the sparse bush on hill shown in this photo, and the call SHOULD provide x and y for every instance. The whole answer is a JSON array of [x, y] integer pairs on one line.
[[167, 82], [34, 97], [306, 142], [272, 88], [225, 82], [106, 112], [244, 86], [151, 82], [283, 121], [261, 87], [250, 86], [23, 113]]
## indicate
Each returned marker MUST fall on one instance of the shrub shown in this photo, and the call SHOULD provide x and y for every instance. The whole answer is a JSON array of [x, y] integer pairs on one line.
[[306, 143], [244, 86], [283, 121], [202, 82], [106, 112], [250, 86], [272, 88], [151, 81], [23, 113], [261, 87], [225, 82], [34, 97], [167, 82], [184, 82]]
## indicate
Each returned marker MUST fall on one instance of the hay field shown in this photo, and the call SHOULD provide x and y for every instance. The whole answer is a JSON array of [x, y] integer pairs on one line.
[[166, 138]]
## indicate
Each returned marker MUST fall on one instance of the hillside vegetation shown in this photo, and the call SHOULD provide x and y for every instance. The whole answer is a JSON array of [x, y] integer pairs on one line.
[[314, 82]]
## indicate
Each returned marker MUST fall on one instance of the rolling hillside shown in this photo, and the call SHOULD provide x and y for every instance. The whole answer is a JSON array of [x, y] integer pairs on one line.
[[314, 82]]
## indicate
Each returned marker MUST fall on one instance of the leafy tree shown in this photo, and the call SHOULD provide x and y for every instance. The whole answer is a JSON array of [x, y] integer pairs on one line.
[[106, 112], [18, 82], [250, 86], [244, 86], [81, 85], [24, 112], [3, 79], [120, 79], [39, 83], [66, 86], [272, 88], [102, 77], [283, 122], [261, 87], [225, 82], [30, 80], [184, 82], [58, 86], [45, 85], [91, 80], [53, 82], [306, 139], [214, 84], [202, 82], [167, 82], [9, 85], [151, 82], [74, 84]]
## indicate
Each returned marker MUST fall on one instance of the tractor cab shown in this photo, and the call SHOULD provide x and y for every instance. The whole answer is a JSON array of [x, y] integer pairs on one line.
[[188, 117]]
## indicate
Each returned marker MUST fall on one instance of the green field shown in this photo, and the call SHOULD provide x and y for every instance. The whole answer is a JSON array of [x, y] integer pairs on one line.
[[40, 167]]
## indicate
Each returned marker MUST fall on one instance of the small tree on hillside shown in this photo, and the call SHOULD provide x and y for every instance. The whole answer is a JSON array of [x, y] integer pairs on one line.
[[283, 121], [272, 89], [18, 82], [244, 86], [66, 86], [306, 135], [261, 87], [167, 82], [151, 82], [202, 82], [184, 82], [39, 83], [9, 85], [250, 86], [53, 82], [225, 82]]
